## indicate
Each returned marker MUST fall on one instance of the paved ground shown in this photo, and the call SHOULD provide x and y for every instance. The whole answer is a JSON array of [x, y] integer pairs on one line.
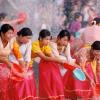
[[36, 72]]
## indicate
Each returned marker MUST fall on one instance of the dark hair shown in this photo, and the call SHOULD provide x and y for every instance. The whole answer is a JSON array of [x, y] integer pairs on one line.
[[25, 32], [95, 45], [77, 15], [2, 16], [44, 33], [64, 33], [96, 21], [5, 28]]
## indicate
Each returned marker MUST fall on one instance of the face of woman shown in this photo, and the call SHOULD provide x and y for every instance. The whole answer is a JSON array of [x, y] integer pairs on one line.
[[63, 41], [46, 40], [96, 54], [8, 35], [80, 19], [24, 39]]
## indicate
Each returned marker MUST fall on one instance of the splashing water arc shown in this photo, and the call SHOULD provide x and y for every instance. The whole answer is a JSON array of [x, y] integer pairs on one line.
[[39, 12]]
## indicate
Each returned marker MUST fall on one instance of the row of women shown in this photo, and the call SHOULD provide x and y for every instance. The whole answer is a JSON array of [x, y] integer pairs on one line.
[[56, 82]]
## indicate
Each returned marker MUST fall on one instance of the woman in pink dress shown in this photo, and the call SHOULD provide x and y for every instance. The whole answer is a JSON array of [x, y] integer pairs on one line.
[[22, 75], [61, 49], [92, 68], [73, 88], [50, 80], [90, 34], [7, 91]]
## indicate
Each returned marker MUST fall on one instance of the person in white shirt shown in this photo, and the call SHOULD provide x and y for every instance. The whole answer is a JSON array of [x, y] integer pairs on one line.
[[21, 57], [61, 48], [7, 91]]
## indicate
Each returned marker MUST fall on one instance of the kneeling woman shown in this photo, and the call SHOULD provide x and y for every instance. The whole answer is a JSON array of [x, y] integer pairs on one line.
[[7, 91], [50, 81], [22, 75], [73, 88]]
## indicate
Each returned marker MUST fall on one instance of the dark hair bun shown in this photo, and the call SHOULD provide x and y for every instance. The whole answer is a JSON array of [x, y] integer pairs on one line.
[[96, 45], [25, 32]]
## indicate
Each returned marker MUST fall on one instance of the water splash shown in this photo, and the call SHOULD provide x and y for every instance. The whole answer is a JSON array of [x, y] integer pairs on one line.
[[40, 12]]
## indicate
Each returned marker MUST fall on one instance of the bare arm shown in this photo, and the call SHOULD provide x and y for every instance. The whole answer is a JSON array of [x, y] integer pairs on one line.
[[6, 61], [21, 18], [27, 56], [12, 22], [50, 58]]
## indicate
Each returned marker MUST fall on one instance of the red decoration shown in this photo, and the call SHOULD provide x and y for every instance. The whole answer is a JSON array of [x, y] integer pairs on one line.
[[69, 67], [22, 17]]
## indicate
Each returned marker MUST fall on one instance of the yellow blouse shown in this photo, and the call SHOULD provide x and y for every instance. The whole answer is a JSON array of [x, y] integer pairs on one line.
[[36, 49], [93, 65]]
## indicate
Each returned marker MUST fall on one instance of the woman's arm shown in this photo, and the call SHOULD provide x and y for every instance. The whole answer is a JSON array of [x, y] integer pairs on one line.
[[21, 18], [50, 58], [86, 73], [17, 54], [68, 54], [27, 55], [46, 54], [6, 61]]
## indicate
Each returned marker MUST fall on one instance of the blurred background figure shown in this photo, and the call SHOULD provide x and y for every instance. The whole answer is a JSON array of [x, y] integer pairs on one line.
[[75, 25]]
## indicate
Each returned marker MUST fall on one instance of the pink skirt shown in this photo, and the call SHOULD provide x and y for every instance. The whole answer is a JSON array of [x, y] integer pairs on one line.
[[98, 77], [73, 88], [7, 91], [50, 81], [25, 87]]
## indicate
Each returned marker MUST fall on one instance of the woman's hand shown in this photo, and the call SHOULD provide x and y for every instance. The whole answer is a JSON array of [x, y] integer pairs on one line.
[[76, 65], [93, 83], [26, 66], [10, 65], [25, 69], [6, 60], [17, 73], [22, 17], [62, 61]]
